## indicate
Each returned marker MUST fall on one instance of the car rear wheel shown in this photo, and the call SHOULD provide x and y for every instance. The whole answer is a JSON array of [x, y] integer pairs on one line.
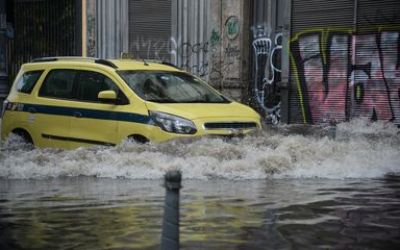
[[25, 136]]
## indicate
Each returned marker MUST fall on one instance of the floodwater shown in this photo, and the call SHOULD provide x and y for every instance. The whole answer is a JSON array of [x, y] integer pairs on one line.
[[290, 187]]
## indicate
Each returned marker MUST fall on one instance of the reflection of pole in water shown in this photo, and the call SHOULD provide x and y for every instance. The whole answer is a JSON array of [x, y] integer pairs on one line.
[[274, 238], [170, 229]]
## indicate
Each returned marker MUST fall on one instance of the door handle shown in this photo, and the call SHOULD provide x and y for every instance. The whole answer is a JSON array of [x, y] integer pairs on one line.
[[31, 110], [78, 114]]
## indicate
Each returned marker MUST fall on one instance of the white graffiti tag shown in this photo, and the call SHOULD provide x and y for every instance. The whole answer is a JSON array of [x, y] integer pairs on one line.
[[266, 49]]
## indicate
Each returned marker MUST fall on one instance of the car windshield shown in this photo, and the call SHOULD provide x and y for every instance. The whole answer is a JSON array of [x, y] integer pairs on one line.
[[170, 87]]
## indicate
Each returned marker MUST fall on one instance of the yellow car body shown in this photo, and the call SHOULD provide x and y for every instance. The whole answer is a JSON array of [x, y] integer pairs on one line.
[[46, 118]]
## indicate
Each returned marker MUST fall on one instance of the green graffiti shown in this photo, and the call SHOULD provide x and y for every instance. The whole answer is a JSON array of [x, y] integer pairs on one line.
[[232, 27], [215, 38], [359, 93]]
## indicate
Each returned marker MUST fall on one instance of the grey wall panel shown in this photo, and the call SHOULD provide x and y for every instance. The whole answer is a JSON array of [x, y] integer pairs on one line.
[[191, 39], [111, 28]]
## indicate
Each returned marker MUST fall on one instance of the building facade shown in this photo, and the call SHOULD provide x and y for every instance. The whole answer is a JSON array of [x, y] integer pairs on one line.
[[295, 61]]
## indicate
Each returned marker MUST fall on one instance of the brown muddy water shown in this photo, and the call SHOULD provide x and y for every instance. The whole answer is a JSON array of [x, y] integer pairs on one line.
[[290, 187]]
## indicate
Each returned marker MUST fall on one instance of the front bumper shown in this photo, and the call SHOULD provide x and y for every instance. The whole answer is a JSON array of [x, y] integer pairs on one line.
[[220, 127]]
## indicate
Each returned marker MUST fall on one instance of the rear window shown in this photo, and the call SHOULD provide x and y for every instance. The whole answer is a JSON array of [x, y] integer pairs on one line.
[[27, 81], [78, 85], [58, 84]]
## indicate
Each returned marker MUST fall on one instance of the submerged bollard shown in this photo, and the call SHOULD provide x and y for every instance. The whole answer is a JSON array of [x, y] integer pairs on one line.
[[170, 228], [332, 131]]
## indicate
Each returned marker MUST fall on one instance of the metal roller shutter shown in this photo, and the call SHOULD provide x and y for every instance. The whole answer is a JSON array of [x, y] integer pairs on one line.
[[377, 58], [150, 29], [314, 14], [382, 13], [344, 60], [315, 95]]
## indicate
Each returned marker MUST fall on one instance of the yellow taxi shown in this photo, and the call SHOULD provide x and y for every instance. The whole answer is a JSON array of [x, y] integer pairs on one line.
[[69, 102]]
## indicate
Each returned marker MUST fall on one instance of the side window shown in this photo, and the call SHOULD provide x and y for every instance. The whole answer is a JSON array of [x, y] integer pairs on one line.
[[59, 84], [27, 81], [89, 84]]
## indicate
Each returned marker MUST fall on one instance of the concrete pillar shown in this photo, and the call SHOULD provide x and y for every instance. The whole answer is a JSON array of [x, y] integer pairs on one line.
[[229, 40]]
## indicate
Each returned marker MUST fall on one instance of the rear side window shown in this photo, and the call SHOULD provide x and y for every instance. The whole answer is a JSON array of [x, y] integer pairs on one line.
[[27, 81], [58, 84]]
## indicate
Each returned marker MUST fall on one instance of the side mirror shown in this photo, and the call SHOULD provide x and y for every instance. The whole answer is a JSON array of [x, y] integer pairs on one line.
[[108, 96]]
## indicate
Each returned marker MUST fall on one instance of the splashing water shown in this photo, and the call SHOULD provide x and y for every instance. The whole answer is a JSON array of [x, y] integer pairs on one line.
[[359, 149]]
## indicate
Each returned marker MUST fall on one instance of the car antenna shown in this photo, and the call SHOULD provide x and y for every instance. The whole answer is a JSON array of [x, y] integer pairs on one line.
[[145, 63]]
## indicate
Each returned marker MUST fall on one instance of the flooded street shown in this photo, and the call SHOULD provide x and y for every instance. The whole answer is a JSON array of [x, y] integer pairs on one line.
[[291, 187]]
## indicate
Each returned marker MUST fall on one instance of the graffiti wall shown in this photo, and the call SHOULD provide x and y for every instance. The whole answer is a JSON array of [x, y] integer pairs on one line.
[[342, 75], [243, 48], [267, 47], [203, 59]]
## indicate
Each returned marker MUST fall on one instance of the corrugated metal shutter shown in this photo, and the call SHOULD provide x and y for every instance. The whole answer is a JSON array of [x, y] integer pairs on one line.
[[372, 12], [150, 29], [314, 96], [345, 60], [314, 14], [377, 81]]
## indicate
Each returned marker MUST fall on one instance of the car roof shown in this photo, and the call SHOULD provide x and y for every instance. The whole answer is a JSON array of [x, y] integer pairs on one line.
[[127, 64], [117, 64]]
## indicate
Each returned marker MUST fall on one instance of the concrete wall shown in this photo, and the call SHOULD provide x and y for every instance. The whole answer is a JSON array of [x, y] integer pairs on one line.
[[229, 43]]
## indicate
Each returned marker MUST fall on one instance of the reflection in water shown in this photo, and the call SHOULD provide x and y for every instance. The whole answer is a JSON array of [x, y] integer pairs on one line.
[[81, 213], [92, 213]]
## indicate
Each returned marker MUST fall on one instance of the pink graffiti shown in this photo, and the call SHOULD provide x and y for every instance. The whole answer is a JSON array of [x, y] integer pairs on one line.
[[390, 47], [349, 76]]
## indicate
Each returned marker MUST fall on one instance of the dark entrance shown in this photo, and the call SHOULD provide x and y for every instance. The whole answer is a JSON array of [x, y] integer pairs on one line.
[[42, 28]]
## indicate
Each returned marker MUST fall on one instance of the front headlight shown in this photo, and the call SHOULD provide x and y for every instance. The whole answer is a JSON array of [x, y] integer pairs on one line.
[[173, 124]]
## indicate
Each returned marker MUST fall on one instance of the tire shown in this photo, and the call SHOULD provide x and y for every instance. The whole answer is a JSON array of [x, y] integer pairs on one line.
[[26, 137]]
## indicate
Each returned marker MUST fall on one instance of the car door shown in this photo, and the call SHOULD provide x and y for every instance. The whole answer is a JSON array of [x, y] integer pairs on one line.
[[52, 113], [93, 122]]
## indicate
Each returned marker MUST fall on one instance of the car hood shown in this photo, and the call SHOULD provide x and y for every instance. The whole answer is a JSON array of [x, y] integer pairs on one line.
[[195, 111]]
